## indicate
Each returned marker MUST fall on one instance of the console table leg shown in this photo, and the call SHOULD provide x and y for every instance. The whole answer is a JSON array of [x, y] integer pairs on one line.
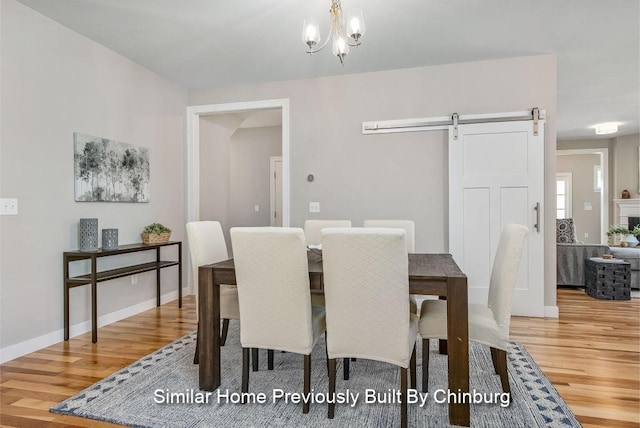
[[66, 298], [158, 277], [180, 275], [94, 300]]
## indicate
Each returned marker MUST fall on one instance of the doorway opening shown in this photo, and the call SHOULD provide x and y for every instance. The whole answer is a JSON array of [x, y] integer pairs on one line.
[[589, 170], [194, 115]]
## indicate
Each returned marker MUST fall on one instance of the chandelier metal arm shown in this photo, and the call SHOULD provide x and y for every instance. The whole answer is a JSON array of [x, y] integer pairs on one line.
[[341, 38]]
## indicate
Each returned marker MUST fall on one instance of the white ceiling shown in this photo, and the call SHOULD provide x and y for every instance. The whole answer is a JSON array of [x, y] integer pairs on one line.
[[203, 44]]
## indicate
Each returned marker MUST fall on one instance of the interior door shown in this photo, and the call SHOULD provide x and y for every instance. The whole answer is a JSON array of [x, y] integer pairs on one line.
[[496, 177]]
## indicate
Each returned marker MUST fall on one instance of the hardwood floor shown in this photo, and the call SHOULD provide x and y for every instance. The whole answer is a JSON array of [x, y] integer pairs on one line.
[[591, 354]]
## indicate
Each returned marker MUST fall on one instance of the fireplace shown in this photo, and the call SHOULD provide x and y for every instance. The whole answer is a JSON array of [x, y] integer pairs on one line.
[[628, 212]]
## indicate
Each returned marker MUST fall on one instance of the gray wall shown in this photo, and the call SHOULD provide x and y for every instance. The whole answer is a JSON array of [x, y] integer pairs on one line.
[[399, 175], [249, 158], [626, 165], [581, 169], [234, 171], [54, 83]]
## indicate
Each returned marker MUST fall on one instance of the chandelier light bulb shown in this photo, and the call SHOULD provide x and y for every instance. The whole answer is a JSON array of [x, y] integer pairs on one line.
[[310, 33], [340, 48], [356, 27]]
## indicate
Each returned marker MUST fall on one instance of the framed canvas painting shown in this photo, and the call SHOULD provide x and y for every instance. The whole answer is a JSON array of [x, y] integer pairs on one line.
[[109, 171]]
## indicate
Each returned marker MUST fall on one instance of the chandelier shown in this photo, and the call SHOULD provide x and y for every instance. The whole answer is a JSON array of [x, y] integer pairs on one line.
[[343, 38]]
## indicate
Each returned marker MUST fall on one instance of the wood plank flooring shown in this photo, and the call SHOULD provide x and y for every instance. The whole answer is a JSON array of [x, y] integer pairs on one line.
[[591, 354]]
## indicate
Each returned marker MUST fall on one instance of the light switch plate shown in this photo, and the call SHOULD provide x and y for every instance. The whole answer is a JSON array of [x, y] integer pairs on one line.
[[8, 206], [314, 207]]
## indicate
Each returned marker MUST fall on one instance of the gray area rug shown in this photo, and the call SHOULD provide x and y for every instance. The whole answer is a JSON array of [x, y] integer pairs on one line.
[[152, 392]]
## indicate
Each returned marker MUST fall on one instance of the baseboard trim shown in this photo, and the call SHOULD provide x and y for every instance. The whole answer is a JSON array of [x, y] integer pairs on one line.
[[551, 312], [19, 349]]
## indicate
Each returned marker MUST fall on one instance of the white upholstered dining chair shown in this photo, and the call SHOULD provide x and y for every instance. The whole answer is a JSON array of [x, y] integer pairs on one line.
[[207, 246], [488, 324], [274, 295], [410, 228], [366, 284], [312, 229]]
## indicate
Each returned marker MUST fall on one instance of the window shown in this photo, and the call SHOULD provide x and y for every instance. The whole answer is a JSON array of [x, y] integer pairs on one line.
[[597, 178], [563, 195]]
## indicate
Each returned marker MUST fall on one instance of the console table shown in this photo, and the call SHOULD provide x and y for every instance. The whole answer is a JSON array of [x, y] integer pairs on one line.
[[94, 277]]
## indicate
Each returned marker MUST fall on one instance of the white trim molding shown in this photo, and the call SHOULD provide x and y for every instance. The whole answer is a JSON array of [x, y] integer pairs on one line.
[[551, 312], [19, 349]]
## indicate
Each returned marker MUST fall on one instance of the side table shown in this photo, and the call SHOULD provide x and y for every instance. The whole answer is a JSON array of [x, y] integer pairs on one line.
[[607, 279]]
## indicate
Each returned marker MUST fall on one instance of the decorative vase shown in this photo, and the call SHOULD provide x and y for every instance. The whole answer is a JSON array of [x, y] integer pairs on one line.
[[630, 240], [109, 239], [88, 234]]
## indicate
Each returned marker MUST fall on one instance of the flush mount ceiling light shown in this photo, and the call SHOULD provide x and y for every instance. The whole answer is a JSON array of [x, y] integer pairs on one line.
[[606, 128], [343, 38]]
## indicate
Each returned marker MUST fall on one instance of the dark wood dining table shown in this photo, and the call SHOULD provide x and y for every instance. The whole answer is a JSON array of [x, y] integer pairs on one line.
[[429, 274]]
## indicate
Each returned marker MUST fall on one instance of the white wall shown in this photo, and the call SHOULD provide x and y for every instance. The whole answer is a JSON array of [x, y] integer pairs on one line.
[[399, 175], [56, 82]]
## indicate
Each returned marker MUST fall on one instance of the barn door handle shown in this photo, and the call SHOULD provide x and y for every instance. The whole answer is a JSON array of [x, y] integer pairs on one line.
[[537, 225]]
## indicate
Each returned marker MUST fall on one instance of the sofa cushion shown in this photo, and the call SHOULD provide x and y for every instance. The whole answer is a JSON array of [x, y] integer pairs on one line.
[[565, 231]]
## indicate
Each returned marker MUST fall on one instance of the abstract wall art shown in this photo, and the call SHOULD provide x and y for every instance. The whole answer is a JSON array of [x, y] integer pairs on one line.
[[110, 171]]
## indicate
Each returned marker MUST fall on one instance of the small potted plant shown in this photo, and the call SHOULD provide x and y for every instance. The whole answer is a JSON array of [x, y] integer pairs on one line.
[[616, 234], [156, 233]]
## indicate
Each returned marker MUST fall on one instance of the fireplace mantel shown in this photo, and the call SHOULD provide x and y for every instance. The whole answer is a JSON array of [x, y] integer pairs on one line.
[[627, 208]]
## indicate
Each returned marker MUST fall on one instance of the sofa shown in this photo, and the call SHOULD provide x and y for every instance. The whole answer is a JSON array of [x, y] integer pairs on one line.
[[630, 255], [570, 261], [571, 254]]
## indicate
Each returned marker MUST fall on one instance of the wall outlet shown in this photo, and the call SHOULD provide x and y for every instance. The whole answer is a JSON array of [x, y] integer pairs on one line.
[[8, 206], [134, 279], [256, 208], [586, 234], [314, 207]]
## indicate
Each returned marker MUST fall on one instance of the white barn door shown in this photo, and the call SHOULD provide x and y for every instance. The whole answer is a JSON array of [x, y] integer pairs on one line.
[[496, 177]]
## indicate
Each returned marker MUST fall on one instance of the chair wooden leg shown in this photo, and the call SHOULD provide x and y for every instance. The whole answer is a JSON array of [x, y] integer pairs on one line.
[[442, 346], [425, 365], [403, 405], [331, 409], [245, 370], [494, 359], [225, 330], [307, 382], [501, 357], [196, 357], [412, 367], [442, 343], [326, 351], [270, 359], [254, 359], [345, 368]]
